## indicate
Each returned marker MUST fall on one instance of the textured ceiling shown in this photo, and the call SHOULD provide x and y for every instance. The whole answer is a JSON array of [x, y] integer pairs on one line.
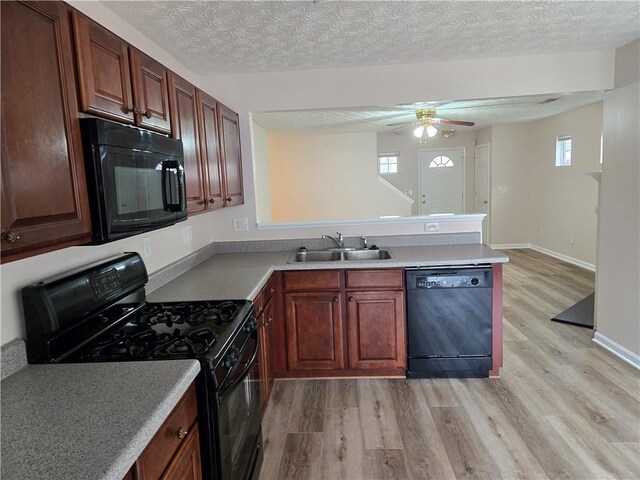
[[387, 119], [238, 36]]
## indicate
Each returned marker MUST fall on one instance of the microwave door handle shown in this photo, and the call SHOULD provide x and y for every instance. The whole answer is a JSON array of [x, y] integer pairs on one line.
[[171, 201], [239, 378]]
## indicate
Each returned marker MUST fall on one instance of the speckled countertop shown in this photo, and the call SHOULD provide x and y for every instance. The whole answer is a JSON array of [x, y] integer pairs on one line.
[[241, 275], [86, 421]]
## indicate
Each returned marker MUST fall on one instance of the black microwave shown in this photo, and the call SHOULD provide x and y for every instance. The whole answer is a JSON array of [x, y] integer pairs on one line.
[[135, 179]]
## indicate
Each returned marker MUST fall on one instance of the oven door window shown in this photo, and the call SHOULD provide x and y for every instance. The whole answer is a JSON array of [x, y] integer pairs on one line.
[[140, 188], [240, 415]]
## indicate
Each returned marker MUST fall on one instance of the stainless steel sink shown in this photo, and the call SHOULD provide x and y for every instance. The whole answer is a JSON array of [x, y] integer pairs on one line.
[[367, 255], [318, 256]]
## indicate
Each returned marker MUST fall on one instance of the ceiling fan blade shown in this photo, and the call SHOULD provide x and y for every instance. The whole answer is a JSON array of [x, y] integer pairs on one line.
[[444, 121], [398, 123]]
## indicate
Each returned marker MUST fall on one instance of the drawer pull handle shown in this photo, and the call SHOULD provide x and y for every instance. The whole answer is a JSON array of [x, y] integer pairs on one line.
[[351, 299], [147, 114], [335, 299], [10, 237], [181, 433]]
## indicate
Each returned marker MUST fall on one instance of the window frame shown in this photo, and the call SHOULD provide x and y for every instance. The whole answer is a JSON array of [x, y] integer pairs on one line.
[[561, 150], [395, 155]]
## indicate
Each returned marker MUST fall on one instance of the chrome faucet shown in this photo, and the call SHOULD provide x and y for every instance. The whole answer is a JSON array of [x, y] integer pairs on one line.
[[364, 242], [339, 241]]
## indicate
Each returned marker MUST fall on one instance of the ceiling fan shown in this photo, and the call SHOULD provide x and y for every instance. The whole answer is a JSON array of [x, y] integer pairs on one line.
[[426, 121]]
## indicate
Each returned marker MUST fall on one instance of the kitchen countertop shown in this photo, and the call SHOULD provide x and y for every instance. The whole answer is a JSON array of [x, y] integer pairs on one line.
[[240, 276], [86, 421]]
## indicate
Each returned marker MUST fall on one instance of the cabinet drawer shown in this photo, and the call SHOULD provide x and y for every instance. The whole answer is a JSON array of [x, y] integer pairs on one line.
[[154, 459], [268, 290], [312, 280], [378, 278]]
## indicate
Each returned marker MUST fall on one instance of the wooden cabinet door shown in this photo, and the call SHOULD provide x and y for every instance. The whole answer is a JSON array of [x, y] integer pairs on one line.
[[44, 197], [314, 331], [184, 126], [186, 464], [376, 326], [150, 80], [103, 71], [230, 152], [210, 150]]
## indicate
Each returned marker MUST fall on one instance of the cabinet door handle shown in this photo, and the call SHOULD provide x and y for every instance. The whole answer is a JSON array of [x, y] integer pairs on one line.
[[272, 290], [181, 433], [133, 110], [212, 201], [351, 299], [269, 320], [229, 199], [335, 299], [147, 114], [203, 202], [10, 237]]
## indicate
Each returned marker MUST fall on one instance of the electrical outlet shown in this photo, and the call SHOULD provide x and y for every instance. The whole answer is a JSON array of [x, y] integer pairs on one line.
[[146, 247], [187, 234], [431, 227], [241, 224]]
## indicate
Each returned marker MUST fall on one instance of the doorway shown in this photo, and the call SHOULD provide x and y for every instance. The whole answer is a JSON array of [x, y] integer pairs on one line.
[[441, 180], [482, 187]]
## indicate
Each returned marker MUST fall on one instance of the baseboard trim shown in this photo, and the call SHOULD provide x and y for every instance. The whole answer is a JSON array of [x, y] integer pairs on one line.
[[618, 350], [565, 258], [509, 246]]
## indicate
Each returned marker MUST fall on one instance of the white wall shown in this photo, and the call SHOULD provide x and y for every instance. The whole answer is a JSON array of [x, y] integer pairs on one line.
[[618, 263], [328, 177], [392, 85], [563, 203], [261, 171], [510, 184], [408, 176]]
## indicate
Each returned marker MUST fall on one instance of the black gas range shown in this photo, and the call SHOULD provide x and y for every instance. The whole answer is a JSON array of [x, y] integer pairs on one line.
[[99, 313]]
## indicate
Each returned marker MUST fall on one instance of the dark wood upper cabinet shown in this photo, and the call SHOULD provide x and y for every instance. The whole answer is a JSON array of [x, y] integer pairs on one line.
[[231, 155], [117, 81], [184, 126], [210, 150], [103, 71], [150, 81], [44, 197]]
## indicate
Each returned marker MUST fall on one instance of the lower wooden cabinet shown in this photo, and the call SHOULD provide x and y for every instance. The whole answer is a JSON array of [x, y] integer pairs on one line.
[[314, 330], [174, 451], [376, 330], [265, 322], [357, 323]]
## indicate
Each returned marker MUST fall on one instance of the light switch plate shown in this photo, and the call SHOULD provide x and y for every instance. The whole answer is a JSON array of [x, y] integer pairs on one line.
[[241, 224], [187, 234], [146, 247]]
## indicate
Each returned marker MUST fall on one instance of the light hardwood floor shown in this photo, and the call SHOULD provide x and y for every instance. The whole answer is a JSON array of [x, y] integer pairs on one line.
[[563, 407]]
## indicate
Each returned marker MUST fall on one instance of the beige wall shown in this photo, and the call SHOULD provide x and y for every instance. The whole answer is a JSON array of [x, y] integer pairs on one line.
[[510, 184], [562, 202], [328, 177], [618, 264], [408, 176]]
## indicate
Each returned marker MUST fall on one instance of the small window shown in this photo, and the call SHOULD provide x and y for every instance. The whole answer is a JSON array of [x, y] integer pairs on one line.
[[388, 163], [563, 151], [441, 161]]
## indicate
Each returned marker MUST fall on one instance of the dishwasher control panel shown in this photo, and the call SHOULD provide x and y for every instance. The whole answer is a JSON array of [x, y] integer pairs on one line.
[[473, 278]]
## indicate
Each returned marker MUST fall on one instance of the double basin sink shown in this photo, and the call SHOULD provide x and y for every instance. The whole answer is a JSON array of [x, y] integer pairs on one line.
[[337, 255]]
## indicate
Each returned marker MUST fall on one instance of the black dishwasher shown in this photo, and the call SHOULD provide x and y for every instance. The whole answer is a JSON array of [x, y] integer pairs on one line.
[[449, 322]]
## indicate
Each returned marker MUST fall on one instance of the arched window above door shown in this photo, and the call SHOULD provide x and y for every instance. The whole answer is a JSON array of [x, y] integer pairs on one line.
[[441, 161]]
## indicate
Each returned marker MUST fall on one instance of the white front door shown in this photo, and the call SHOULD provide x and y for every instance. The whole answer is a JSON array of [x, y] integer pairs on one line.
[[482, 187], [441, 180]]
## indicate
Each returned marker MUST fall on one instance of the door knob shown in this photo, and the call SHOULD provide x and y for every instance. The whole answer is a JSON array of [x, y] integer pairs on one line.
[[10, 237]]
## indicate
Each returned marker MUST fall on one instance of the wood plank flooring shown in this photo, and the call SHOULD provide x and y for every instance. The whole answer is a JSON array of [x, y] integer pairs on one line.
[[563, 407]]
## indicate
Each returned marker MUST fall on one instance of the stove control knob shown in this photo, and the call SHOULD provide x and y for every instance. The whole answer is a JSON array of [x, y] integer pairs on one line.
[[251, 325], [474, 281], [231, 358]]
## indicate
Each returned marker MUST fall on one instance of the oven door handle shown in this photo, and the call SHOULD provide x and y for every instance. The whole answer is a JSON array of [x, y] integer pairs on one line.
[[241, 377], [171, 169]]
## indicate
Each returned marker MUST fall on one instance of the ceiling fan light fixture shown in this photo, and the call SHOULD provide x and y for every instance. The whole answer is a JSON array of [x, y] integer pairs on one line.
[[418, 131], [431, 131]]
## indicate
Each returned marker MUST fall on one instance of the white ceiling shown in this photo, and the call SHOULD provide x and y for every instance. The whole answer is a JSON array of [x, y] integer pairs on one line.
[[237, 36], [385, 119]]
